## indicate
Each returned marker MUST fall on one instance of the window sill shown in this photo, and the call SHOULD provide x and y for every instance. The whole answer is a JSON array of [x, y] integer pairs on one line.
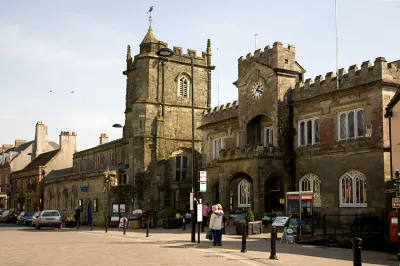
[[351, 139], [244, 205], [353, 205]]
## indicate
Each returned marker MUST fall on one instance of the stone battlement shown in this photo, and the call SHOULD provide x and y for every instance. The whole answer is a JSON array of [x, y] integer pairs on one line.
[[380, 70], [276, 57], [267, 52], [222, 112], [190, 53]]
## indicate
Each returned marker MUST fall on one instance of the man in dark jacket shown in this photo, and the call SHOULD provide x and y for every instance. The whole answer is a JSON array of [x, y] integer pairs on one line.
[[77, 217]]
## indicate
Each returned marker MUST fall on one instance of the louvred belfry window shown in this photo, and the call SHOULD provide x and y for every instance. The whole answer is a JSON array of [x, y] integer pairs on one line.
[[183, 86]]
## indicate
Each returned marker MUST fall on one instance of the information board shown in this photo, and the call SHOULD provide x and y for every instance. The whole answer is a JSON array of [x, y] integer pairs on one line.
[[199, 213], [280, 221]]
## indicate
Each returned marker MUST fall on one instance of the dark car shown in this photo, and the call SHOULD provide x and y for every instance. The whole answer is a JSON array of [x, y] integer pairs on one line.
[[9, 216], [25, 218]]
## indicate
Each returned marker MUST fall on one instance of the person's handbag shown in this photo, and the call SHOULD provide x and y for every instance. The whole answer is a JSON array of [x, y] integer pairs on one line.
[[209, 235]]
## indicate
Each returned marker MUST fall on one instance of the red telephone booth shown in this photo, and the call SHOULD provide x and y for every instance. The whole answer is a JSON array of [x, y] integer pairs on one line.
[[393, 226]]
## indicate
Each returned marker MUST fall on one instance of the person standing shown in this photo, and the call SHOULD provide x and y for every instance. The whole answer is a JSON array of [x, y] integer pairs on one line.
[[206, 211], [223, 219], [216, 225], [77, 217]]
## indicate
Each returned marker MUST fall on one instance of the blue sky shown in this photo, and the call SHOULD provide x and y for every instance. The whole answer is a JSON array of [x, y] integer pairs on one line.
[[81, 45]]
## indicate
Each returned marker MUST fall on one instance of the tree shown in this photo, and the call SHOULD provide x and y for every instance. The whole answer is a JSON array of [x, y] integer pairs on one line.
[[249, 215]]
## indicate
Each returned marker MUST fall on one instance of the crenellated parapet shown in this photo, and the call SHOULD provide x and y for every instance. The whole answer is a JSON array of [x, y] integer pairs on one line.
[[220, 113], [355, 76], [277, 57]]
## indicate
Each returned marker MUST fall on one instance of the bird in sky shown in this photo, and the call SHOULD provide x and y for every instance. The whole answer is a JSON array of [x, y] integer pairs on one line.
[[50, 91], [72, 91]]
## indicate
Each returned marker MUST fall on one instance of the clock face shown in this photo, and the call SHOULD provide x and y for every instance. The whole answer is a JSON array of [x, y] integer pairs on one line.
[[257, 90]]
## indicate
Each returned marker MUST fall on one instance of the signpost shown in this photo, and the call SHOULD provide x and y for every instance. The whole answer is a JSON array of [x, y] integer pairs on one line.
[[203, 181], [395, 203]]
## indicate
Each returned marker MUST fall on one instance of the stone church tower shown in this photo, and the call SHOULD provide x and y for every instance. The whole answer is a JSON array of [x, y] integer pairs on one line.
[[157, 131]]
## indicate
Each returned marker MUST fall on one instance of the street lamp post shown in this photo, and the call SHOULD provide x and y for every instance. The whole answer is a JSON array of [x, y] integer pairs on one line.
[[166, 52]]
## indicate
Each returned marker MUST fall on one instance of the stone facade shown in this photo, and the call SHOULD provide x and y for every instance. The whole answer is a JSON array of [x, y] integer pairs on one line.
[[27, 184], [152, 161], [290, 137], [15, 158]]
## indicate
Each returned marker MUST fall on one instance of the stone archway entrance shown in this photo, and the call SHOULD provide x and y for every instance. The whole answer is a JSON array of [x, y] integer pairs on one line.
[[87, 212], [273, 192], [241, 192]]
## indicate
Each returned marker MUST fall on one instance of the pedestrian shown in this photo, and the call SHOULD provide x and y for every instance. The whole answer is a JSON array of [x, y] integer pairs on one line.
[[77, 217], [223, 220], [216, 225], [206, 210]]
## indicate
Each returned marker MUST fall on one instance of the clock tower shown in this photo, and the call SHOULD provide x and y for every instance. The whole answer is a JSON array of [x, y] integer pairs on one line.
[[264, 83]]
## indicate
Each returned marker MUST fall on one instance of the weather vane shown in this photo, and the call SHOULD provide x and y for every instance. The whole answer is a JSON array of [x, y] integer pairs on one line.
[[150, 19]]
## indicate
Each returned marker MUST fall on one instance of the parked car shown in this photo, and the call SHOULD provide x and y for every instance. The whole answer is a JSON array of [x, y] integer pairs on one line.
[[35, 218], [24, 217], [49, 218], [9, 216]]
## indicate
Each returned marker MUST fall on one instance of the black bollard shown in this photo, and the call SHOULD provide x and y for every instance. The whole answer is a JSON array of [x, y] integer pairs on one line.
[[124, 226], [273, 244], [198, 232], [147, 227], [356, 251], [91, 225], [106, 224], [244, 248], [184, 223], [298, 234]]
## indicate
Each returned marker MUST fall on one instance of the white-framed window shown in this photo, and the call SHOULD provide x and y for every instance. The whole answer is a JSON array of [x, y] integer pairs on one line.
[[181, 168], [351, 124], [353, 189], [123, 179], [218, 144], [311, 182], [244, 193], [183, 86], [308, 132], [268, 136]]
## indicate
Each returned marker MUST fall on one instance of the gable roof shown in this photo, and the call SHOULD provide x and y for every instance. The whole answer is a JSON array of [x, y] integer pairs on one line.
[[42, 159]]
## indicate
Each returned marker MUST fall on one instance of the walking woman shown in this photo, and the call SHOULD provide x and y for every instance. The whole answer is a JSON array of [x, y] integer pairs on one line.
[[216, 225]]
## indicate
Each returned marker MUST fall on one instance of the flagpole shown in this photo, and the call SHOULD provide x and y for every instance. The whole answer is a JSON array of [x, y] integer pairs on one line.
[[337, 46]]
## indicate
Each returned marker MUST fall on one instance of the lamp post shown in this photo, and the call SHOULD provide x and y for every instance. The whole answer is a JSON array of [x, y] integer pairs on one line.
[[166, 52], [133, 166]]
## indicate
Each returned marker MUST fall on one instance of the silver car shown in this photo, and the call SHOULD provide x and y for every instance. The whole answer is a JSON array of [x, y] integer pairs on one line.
[[48, 218]]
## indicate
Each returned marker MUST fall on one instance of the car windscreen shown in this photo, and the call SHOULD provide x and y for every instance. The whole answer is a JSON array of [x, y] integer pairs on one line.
[[47, 214], [27, 214]]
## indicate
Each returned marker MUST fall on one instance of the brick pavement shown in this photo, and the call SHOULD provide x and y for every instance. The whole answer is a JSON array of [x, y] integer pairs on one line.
[[23, 246], [258, 248]]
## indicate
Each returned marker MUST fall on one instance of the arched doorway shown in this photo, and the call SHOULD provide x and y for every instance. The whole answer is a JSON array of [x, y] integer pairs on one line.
[[241, 192], [87, 209], [274, 191]]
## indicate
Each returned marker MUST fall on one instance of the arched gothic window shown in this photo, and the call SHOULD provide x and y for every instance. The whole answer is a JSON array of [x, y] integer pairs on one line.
[[311, 182], [244, 193], [353, 189], [183, 86]]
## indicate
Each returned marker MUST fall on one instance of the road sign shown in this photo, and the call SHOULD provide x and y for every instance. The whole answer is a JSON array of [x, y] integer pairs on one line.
[[203, 176], [395, 203], [203, 187]]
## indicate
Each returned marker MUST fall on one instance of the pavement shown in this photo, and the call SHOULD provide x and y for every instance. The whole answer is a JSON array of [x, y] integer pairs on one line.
[[163, 247]]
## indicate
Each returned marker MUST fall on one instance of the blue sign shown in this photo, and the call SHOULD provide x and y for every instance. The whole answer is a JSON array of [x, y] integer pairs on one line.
[[302, 223], [84, 189]]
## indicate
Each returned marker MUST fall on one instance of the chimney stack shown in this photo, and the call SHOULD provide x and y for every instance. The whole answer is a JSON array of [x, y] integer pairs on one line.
[[19, 142], [5, 147], [103, 138], [41, 138], [68, 141]]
